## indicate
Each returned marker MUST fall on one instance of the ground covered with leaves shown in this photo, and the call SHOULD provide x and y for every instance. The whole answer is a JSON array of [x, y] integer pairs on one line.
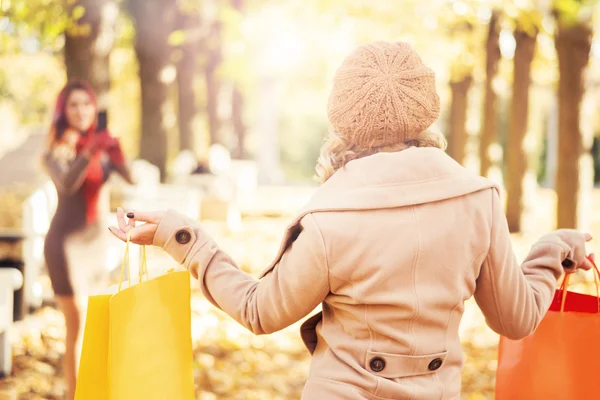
[[230, 362]]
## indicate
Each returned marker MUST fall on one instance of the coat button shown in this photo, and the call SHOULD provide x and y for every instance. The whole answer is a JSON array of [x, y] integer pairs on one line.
[[183, 237], [377, 364], [435, 364]]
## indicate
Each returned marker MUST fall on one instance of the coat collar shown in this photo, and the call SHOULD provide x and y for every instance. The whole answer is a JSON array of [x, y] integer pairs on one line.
[[389, 180]]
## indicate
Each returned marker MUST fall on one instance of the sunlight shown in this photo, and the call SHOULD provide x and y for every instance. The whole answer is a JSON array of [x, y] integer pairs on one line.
[[460, 8], [221, 110], [282, 43], [484, 13], [507, 44]]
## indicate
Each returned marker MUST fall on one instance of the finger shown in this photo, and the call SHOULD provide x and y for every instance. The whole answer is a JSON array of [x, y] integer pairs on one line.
[[130, 223], [586, 265], [118, 233], [591, 258], [121, 219], [578, 255], [587, 237], [143, 234], [152, 217]]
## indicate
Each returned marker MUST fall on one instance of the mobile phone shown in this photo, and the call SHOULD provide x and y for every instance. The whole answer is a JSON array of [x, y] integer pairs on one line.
[[102, 121]]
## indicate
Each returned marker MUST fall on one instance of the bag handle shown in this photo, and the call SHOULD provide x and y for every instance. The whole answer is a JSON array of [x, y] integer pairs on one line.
[[126, 262], [565, 283]]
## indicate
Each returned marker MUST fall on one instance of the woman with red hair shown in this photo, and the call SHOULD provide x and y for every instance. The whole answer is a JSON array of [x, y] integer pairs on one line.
[[79, 158]]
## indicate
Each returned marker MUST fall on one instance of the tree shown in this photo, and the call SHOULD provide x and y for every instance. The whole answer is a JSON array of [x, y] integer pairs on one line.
[[237, 119], [189, 23], [525, 35], [237, 105], [573, 44], [461, 28], [214, 57], [457, 132], [488, 135], [461, 78], [30, 76], [44, 21], [154, 21], [88, 43]]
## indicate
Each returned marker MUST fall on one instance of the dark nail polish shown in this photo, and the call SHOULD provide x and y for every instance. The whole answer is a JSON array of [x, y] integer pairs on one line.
[[130, 215], [567, 263]]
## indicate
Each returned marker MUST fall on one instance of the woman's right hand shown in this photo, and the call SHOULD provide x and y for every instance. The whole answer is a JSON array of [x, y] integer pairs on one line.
[[99, 141], [141, 234], [577, 258], [115, 153]]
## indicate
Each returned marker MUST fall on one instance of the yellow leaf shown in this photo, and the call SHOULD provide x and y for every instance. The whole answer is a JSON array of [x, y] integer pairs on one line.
[[177, 37], [78, 12]]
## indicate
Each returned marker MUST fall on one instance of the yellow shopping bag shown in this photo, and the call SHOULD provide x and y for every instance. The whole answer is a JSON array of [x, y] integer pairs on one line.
[[137, 343]]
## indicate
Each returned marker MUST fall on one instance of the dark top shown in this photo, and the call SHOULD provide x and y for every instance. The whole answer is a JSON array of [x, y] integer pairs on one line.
[[69, 174]]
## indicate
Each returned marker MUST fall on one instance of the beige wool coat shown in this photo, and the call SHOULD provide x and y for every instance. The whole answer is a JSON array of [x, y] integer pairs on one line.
[[391, 246]]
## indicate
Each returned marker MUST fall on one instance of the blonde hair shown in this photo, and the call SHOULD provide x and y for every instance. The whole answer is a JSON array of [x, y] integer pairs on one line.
[[337, 151]]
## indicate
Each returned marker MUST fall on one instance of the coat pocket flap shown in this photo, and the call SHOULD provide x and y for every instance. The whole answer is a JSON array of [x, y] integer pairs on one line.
[[389, 365]]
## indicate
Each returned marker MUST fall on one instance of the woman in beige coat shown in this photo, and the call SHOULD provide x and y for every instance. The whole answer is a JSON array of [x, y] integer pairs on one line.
[[393, 243]]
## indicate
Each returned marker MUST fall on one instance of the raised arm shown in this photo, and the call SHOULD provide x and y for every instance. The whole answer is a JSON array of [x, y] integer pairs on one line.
[[66, 173], [514, 298]]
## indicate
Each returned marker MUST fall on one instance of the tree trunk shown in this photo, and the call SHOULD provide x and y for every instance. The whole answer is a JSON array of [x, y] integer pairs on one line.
[[154, 21], [186, 72], [458, 119], [88, 45], [516, 159], [552, 145], [154, 94], [267, 122], [573, 47], [237, 105], [596, 159], [213, 85], [489, 123], [239, 127]]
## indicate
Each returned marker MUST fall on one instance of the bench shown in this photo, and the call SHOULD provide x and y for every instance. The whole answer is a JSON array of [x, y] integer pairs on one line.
[[11, 294]]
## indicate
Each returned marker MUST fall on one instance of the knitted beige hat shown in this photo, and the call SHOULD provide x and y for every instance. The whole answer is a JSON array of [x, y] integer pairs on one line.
[[382, 95]]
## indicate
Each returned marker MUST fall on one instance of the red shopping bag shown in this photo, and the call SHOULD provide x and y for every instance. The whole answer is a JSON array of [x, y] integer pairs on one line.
[[561, 360]]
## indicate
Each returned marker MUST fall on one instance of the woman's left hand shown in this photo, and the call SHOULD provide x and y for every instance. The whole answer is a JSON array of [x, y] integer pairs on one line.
[[142, 234]]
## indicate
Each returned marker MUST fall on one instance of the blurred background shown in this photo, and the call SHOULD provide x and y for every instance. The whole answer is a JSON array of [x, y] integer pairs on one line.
[[223, 102]]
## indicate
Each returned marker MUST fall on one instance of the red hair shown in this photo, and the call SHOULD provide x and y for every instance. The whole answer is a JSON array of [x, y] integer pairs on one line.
[[59, 118]]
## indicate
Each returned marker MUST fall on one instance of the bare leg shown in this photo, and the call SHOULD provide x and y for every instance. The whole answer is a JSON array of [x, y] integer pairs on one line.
[[70, 309]]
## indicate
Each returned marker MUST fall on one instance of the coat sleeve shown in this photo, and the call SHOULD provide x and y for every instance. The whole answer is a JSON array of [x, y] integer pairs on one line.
[[298, 283], [514, 298], [67, 173]]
